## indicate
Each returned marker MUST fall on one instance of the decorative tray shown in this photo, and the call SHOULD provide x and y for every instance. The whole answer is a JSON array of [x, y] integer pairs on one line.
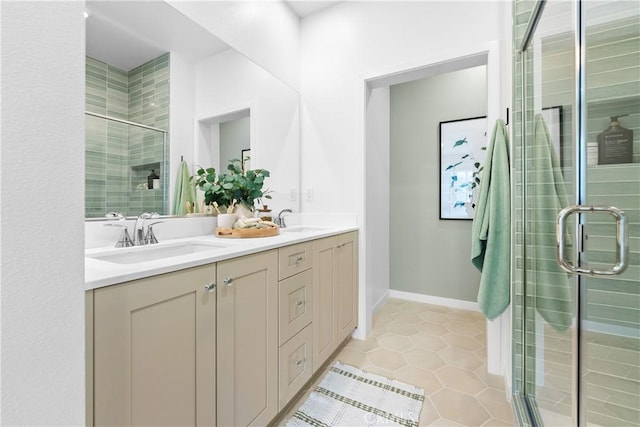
[[239, 233]]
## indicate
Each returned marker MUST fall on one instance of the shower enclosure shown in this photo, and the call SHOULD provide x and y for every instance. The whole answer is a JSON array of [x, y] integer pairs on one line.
[[119, 157], [576, 253]]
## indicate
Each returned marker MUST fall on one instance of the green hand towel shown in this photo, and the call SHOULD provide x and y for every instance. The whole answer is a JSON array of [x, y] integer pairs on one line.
[[185, 190], [491, 229], [546, 199]]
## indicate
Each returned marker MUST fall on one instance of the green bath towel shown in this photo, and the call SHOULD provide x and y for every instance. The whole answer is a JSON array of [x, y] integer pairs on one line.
[[545, 200], [491, 230], [185, 190]]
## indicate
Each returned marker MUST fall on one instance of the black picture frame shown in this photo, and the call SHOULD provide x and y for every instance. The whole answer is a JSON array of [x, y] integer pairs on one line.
[[462, 145]]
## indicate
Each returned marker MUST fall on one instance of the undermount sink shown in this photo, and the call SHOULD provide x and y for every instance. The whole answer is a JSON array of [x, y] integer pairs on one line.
[[137, 254], [302, 228]]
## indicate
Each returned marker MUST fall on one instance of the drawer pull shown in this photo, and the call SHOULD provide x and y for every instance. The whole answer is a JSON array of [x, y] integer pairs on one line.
[[228, 281], [299, 363], [300, 258], [210, 287]]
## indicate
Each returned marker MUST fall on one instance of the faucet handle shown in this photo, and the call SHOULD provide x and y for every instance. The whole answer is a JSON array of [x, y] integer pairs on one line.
[[151, 238], [115, 215], [124, 241]]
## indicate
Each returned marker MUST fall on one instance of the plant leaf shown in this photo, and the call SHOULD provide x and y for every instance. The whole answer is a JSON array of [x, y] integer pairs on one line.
[[453, 166], [460, 142]]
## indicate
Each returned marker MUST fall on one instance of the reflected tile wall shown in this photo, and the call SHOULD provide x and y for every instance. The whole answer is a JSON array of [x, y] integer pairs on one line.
[[119, 157]]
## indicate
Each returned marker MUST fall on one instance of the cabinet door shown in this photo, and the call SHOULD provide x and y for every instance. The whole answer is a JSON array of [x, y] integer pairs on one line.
[[325, 340], [347, 284], [248, 340], [295, 296], [154, 351], [295, 365]]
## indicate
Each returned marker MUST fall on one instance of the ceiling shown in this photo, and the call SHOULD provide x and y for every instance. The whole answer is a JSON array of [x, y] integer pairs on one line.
[[127, 34], [304, 8]]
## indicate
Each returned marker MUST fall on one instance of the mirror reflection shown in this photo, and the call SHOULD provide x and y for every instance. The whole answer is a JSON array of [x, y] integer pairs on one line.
[[159, 89]]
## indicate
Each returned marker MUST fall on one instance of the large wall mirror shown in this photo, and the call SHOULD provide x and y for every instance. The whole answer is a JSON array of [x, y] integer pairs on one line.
[[160, 89]]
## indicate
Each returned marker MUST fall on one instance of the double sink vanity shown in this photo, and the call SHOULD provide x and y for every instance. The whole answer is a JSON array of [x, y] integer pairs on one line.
[[212, 331]]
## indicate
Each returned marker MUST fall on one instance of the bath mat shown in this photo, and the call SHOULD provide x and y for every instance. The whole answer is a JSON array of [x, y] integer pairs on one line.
[[347, 396]]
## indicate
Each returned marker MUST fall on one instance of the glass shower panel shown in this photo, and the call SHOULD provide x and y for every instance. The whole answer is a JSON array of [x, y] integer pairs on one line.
[[610, 307], [550, 182]]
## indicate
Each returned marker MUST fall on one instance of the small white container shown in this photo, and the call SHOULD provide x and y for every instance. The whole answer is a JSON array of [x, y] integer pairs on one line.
[[592, 153], [226, 220]]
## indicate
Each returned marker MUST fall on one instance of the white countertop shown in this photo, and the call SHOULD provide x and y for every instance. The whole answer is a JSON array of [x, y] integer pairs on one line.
[[99, 273]]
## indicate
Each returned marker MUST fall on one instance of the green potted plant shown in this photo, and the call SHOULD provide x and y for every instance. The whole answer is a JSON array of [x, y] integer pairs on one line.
[[246, 188]]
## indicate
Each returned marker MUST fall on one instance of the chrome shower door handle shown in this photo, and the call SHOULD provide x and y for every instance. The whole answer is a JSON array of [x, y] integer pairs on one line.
[[622, 237]]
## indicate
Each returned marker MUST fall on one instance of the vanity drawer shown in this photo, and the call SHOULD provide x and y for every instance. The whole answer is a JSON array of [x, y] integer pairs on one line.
[[295, 365], [293, 259], [295, 304]]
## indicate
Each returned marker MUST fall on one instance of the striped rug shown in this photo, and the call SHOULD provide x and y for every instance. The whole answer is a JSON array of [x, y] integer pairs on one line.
[[347, 396]]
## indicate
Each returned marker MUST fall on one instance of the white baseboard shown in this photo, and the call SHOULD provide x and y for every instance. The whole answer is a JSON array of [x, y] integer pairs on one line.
[[429, 299], [383, 299]]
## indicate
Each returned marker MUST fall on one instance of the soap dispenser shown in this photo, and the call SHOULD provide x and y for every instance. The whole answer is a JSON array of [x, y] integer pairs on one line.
[[615, 144], [153, 180]]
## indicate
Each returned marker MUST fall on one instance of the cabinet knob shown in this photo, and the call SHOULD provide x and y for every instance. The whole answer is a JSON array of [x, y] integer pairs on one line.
[[210, 287], [299, 363], [300, 303], [228, 281], [299, 258]]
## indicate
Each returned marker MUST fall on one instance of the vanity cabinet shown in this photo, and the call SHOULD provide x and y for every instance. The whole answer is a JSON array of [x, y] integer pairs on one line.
[[247, 340], [154, 354], [228, 343], [296, 314], [335, 293]]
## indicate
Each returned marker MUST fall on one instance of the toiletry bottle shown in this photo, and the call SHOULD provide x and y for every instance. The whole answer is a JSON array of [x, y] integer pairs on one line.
[[265, 213], [151, 180], [615, 144]]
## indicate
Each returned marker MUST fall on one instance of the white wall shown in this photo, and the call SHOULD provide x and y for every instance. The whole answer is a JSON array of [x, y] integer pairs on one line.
[[430, 256], [378, 208], [264, 31], [234, 137], [347, 44], [228, 82], [181, 113], [42, 213]]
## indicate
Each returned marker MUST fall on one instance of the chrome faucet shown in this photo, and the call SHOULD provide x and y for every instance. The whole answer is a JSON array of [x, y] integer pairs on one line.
[[280, 218], [124, 241], [139, 234]]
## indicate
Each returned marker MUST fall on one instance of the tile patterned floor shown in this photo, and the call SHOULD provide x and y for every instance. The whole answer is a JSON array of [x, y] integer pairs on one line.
[[439, 349]]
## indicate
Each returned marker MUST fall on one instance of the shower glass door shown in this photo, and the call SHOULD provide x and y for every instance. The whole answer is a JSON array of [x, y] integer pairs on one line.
[[610, 306], [581, 333]]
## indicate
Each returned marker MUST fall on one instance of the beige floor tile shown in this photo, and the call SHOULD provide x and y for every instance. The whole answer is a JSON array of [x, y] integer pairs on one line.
[[395, 342], [435, 317], [353, 357], [461, 341], [424, 359], [460, 380], [460, 358], [420, 378], [494, 402], [443, 422], [461, 328], [439, 349], [459, 407], [401, 328], [411, 318], [432, 329], [494, 422], [387, 359], [369, 344], [428, 414], [428, 342]]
